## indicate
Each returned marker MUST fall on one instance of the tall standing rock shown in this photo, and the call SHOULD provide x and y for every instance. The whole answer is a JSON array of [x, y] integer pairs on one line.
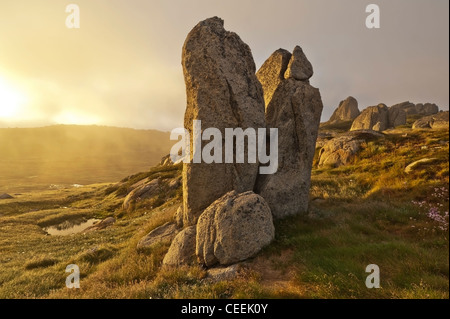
[[295, 109], [223, 92], [347, 111], [271, 73]]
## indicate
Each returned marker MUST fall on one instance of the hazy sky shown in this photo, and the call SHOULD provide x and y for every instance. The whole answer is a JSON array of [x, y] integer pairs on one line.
[[123, 66]]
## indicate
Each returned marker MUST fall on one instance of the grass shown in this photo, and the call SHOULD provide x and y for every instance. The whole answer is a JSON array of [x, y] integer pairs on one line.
[[360, 214]]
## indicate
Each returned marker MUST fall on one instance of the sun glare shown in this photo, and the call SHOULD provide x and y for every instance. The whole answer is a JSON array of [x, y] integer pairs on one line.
[[11, 100], [74, 117]]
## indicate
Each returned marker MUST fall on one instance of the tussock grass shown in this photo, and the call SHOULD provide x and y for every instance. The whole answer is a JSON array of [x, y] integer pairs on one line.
[[360, 214]]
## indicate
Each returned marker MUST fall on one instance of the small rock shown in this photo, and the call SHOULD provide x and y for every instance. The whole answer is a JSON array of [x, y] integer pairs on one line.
[[223, 274], [142, 192], [101, 225], [174, 183], [5, 196], [179, 217], [164, 233], [414, 165], [182, 249]]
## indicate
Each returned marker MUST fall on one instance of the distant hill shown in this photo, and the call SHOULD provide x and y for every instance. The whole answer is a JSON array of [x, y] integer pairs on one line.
[[71, 154]]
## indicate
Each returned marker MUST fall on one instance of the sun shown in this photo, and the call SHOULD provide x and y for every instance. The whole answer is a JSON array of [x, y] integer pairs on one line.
[[11, 100]]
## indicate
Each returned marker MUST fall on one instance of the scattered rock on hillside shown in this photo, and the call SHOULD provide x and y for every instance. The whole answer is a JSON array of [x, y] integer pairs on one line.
[[340, 150], [271, 73], [234, 228], [174, 183], [5, 196], [372, 118], [223, 273], [164, 233], [141, 192], [295, 109], [182, 249], [418, 163], [347, 111], [222, 92], [437, 121], [166, 161], [107, 222], [417, 109]]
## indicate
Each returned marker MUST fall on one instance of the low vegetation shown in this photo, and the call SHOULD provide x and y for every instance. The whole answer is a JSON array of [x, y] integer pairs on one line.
[[368, 212]]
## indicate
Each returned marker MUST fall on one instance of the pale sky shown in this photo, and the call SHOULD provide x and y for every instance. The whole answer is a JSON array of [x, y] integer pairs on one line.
[[123, 66]]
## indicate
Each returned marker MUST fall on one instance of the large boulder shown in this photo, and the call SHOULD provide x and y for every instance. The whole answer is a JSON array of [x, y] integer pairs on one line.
[[397, 116], [272, 72], [372, 118], [341, 150], [295, 110], [223, 92], [437, 121], [408, 107], [347, 111], [234, 228]]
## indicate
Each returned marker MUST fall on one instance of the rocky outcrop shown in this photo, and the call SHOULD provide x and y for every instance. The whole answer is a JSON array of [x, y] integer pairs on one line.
[[182, 249], [161, 234], [294, 109], [397, 116], [347, 111], [423, 109], [372, 118], [341, 150], [417, 109], [437, 121], [234, 228], [380, 118], [222, 92], [272, 72], [223, 273]]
